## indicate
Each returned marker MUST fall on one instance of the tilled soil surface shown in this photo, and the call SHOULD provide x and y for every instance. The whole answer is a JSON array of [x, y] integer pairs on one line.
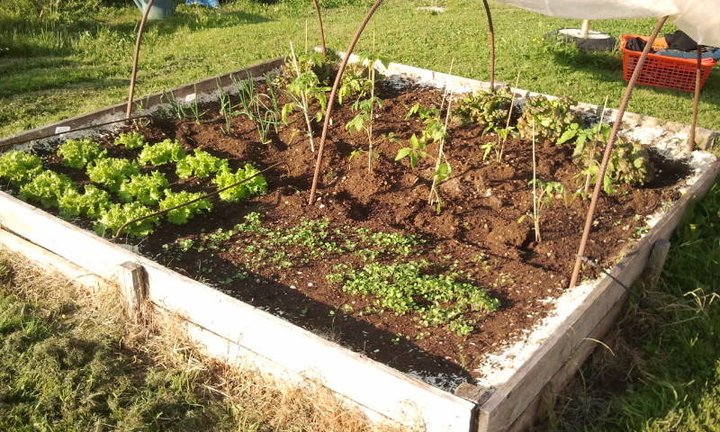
[[480, 226]]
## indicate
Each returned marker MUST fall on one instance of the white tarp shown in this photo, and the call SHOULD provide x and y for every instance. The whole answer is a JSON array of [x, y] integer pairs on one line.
[[698, 18]]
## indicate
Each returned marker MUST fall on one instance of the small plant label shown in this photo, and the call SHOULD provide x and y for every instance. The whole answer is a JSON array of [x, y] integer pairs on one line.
[[62, 129]]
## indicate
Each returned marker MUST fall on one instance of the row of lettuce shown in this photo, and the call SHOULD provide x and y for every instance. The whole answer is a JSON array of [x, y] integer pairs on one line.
[[121, 190]]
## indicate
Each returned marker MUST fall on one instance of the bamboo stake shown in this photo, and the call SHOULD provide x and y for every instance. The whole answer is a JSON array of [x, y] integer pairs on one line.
[[608, 150], [491, 37], [320, 26], [136, 58], [333, 93], [696, 100]]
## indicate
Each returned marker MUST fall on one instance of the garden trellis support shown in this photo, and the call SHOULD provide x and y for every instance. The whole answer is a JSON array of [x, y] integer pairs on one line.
[[608, 151]]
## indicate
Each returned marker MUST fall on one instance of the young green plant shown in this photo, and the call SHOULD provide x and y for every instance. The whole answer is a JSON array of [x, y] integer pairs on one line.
[[442, 167], [303, 87], [363, 120]]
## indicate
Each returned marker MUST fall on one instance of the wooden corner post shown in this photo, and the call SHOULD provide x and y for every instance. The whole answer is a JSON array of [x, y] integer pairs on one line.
[[133, 287]]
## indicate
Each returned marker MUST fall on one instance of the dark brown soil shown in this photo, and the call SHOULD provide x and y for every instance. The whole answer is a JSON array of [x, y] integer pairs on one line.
[[478, 227]]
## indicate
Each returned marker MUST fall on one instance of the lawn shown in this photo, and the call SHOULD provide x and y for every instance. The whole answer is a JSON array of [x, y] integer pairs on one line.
[[662, 369]]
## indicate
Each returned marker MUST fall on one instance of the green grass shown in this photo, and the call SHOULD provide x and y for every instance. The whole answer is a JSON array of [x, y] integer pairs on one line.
[[664, 372], [63, 370], [57, 69]]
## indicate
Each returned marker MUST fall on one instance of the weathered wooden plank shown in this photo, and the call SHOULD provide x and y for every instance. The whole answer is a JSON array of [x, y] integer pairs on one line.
[[656, 261], [546, 397], [118, 111], [353, 375], [509, 401], [52, 262], [133, 287]]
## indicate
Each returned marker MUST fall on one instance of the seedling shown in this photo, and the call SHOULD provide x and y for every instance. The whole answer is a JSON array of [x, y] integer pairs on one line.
[[442, 169], [363, 120], [264, 113], [305, 87], [414, 152], [438, 300]]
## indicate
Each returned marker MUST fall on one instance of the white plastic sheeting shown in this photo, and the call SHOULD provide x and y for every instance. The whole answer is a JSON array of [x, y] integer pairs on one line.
[[698, 18]]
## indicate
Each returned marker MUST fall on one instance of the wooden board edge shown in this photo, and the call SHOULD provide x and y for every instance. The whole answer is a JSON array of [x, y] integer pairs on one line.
[[51, 261], [504, 405], [212, 344], [144, 102], [301, 351]]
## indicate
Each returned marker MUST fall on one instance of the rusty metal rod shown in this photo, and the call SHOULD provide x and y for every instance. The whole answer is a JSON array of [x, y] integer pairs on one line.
[[92, 126], [608, 150], [696, 100], [215, 192], [333, 92], [136, 58], [320, 26], [491, 37]]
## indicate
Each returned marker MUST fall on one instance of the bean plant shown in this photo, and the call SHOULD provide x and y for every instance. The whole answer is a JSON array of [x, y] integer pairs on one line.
[[545, 119]]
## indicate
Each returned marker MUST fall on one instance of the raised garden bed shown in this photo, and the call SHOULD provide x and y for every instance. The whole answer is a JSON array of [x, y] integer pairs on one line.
[[438, 292]]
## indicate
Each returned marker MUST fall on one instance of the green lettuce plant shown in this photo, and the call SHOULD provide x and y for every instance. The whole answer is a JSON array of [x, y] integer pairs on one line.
[[47, 188], [18, 167], [166, 151], [147, 189], [79, 153], [255, 186], [182, 215], [112, 172]]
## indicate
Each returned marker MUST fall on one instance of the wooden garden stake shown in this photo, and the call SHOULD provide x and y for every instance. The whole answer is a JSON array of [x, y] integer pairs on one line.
[[656, 261], [491, 37], [696, 100], [136, 57], [320, 26], [333, 93], [133, 287], [608, 150]]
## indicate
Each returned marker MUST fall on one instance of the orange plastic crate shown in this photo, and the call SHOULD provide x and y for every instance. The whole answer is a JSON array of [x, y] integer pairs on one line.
[[664, 71]]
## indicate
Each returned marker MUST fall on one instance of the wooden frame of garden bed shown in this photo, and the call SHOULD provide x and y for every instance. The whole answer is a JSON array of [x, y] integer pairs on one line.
[[239, 333]]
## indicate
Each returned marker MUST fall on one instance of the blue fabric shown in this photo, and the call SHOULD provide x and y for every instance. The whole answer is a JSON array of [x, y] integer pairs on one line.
[[711, 54], [209, 3]]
